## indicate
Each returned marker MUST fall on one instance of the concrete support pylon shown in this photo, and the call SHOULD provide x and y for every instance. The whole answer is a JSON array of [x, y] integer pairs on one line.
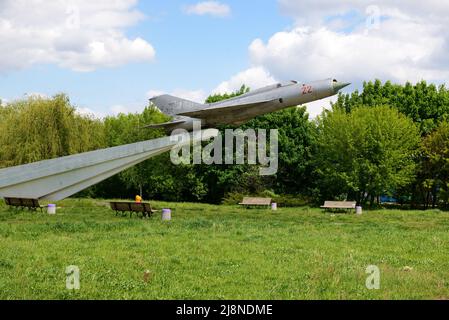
[[57, 179]]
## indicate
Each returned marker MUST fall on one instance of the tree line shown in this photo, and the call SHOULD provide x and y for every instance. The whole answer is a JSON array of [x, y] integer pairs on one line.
[[387, 140]]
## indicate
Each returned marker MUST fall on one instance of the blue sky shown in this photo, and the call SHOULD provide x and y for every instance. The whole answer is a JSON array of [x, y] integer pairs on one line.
[[191, 52], [119, 53]]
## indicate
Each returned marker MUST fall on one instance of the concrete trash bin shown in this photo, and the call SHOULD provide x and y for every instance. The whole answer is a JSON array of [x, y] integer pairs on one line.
[[358, 210], [51, 209], [274, 206], [166, 214]]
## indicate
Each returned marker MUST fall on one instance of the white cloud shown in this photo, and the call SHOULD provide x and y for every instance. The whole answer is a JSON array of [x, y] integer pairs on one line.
[[192, 95], [213, 8], [315, 108], [352, 41], [117, 109], [155, 93], [37, 95], [407, 42], [125, 109], [89, 112], [80, 35], [398, 52], [316, 12], [254, 78]]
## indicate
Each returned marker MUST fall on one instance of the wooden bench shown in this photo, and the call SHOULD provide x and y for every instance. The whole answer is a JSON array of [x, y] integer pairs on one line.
[[133, 207], [255, 202], [339, 205], [23, 203]]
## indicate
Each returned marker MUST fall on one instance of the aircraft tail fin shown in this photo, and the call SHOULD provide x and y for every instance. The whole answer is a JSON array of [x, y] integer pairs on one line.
[[172, 106]]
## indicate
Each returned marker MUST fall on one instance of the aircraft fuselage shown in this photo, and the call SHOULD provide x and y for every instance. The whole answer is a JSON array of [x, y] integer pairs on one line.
[[243, 108]]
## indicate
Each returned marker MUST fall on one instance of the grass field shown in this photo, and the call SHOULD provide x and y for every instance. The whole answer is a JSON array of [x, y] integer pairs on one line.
[[223, 252]]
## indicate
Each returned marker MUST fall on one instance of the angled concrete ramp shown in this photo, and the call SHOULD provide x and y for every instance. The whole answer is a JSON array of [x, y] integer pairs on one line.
[[57, 179]]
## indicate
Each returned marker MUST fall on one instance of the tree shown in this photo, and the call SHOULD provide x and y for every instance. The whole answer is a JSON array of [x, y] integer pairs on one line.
[[126, 129], [156, 178], [36, 129], [434, 169], [296, 136], [222, 179], [365, 153], [426, 104]]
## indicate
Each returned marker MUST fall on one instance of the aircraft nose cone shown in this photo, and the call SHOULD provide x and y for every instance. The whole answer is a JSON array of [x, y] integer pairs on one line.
[[340, 85]]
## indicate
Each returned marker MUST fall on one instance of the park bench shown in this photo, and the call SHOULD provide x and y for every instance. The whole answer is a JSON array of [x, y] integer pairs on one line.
[[339, 205], [23, 203], [133, 207], [255, 202]]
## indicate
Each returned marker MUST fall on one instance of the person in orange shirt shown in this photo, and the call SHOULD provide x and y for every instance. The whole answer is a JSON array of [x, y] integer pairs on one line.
[[138, 199]]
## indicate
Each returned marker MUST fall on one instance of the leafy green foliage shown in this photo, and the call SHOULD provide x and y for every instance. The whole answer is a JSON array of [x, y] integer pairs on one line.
[[36, 129], [222, 179], [361, 149], [154, 178], [434, 170], [364, 154], [296, 138], [296, 135], [426, 104]]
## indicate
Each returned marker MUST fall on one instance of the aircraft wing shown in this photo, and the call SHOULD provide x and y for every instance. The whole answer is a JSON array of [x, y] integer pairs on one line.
[[164, 125], [218, 112]]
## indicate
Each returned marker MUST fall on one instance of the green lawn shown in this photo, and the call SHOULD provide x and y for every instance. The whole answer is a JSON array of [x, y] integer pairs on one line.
[[223, 252]]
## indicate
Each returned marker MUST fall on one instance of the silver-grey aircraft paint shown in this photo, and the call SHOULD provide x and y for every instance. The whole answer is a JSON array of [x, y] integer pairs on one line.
[[240, 109], [60, 178]]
